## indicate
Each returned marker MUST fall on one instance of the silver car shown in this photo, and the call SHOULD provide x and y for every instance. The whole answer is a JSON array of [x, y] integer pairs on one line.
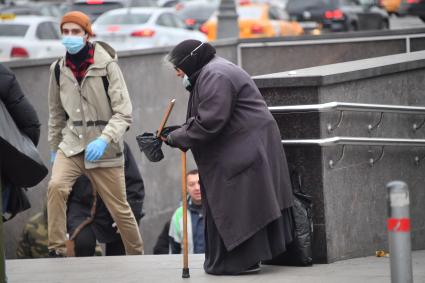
[[29, 37], [136, 28]]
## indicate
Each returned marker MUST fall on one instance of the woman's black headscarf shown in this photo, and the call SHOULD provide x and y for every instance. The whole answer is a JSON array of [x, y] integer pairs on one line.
[[191, 55]]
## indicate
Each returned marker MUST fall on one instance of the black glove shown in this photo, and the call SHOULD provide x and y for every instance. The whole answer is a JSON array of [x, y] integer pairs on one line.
[[167, 130]]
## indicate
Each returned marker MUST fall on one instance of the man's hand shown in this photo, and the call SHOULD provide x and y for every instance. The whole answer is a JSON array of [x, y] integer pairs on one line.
[[96, 149]]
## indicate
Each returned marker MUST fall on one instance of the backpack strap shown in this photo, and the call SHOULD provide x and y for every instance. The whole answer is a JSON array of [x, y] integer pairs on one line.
[[57, 71], [106, 87]]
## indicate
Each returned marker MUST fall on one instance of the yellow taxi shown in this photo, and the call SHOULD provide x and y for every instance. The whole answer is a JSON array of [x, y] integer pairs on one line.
[[390, 5], [257, 20]]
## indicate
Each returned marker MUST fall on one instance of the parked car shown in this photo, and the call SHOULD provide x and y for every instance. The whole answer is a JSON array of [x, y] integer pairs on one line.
[[29, 37], [135, 28], [340, 15], [412, 8], [196, 13], [257, 20]]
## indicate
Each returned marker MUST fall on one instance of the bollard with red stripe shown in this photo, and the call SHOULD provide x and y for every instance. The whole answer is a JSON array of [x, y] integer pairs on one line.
[[398, 226]]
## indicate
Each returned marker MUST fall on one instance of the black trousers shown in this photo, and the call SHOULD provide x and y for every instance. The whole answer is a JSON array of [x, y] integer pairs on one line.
[[85, 244]]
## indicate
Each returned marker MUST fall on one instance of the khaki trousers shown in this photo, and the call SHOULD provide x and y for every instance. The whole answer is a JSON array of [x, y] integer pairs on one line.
[[109, 182]]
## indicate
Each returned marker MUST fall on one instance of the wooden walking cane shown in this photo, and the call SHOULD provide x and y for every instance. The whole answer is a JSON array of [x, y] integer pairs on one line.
[[165, 118], [185, 273]]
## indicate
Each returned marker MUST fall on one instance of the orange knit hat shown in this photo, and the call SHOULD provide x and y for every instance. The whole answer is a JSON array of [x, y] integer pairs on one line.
[[78, 18]]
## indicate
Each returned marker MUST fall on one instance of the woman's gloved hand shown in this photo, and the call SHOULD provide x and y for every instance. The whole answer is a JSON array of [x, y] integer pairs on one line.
[[96, 149], [167, 130]]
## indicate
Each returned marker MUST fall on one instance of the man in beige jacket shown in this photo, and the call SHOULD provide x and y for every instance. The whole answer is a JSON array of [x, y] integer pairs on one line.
[[90, 110]]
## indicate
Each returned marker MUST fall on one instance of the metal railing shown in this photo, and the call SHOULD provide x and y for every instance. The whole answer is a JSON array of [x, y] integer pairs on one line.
[[356, 107], [346, 106], [360, 141], [357, 141]]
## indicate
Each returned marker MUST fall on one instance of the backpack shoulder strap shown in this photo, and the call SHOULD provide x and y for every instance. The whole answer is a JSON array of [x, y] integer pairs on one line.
[[106, 87], [57, 71]]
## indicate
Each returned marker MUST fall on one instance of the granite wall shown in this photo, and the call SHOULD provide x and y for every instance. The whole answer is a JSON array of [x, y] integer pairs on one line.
[[350, 206]]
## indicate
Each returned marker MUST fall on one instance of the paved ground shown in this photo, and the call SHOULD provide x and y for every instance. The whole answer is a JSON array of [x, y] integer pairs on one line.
[[167, 269]]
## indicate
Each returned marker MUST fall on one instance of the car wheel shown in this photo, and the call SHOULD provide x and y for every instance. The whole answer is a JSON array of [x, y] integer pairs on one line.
[[422, 18]]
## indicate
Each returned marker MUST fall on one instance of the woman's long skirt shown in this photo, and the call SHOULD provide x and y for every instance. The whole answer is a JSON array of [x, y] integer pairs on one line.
[[266, 244]]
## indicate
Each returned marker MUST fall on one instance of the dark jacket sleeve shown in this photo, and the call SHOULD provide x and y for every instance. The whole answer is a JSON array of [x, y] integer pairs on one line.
[[216, 100], [22, 112], [134, 184]]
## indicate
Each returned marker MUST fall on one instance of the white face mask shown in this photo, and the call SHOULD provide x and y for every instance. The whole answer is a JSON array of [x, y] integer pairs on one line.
[[186, 83]]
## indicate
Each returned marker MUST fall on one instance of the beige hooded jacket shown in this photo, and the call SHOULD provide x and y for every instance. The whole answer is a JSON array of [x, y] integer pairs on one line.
[[81, 113]]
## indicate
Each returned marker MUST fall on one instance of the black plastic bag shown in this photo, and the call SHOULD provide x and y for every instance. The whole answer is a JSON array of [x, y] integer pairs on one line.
[[150, 145], [299, 251], [21, 163]]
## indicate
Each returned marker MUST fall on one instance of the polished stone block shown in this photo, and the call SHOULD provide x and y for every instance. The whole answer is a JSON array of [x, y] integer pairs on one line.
[[350, 199]]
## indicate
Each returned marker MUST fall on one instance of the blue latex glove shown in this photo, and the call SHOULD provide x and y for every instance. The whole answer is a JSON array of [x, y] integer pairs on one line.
[[96, 149], [52, 157]]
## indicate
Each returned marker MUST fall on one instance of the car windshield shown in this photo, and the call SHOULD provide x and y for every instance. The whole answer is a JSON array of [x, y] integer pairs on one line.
[[124, 19], [142, 3], [298, 5], [13, 30], [249, 13], [196, 12], [96, 9]]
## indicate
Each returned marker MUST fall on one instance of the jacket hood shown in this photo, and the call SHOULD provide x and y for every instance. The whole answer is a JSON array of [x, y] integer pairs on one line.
[[103, 54]]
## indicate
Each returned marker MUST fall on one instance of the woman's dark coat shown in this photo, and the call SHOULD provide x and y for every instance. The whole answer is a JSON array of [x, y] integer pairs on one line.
[[81, 199], [237, 146], [17, 104]]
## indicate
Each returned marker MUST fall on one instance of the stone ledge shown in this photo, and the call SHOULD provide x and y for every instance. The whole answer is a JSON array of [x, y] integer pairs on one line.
[[344, 72]]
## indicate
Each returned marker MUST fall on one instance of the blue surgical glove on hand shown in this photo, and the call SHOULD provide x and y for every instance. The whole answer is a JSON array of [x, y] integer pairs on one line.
[[96, 149], [52, 157]]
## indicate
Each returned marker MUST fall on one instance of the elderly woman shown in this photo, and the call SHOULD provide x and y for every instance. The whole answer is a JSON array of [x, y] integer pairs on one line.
[[236, 144]]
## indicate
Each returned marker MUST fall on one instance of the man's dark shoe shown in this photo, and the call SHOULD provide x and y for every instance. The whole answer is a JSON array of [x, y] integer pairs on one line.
[[252, 270], [54, 253]]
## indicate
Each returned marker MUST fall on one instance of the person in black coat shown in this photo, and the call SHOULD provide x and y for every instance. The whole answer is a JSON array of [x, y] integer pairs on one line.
[[102, 228], [236, 143], [13, 145], [18, 106]]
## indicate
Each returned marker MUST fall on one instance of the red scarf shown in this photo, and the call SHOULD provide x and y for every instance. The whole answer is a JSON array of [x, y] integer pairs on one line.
[[80, 71]]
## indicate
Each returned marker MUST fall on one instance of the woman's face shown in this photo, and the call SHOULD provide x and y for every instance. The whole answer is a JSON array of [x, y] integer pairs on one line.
[[179, 72]]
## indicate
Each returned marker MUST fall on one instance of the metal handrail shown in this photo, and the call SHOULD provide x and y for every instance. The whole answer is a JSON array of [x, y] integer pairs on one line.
[[356, 141], [362, 141], [346, 106]]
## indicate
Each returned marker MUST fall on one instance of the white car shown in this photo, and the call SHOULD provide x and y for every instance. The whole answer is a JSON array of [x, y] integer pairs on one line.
[[29, 37], [136, 28]]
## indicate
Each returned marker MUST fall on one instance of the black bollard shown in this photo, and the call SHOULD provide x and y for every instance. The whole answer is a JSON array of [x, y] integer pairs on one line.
[[398, 226]]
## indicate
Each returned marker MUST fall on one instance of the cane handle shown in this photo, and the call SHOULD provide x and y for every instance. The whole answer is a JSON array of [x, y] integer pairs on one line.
[[166, 115]]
